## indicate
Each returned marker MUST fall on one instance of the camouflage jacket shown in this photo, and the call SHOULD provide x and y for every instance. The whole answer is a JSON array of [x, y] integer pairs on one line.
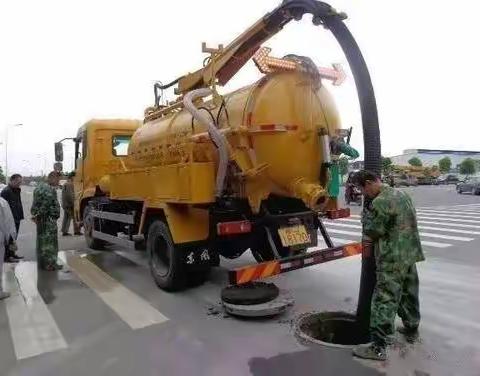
[[45, 202], [391, 222]]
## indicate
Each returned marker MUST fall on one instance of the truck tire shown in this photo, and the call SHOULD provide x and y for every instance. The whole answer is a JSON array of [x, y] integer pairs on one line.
[[88, 222], [166, 262]]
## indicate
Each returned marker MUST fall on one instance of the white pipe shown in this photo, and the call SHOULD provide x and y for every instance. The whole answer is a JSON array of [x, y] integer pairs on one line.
[[326, 148], [218, 138]]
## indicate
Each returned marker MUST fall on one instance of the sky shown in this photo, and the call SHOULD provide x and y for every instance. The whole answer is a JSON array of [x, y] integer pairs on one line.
[[65, 62]]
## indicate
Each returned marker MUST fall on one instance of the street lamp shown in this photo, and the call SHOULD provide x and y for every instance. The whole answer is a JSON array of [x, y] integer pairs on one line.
[[6, 146]]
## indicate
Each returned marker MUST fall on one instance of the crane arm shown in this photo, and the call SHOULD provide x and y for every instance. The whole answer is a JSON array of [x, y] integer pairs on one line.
[[228, 60]]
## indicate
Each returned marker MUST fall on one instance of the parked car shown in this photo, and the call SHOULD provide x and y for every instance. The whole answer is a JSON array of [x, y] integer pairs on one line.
[[447, 179], [471, 184], [404, 180], [33, 184]]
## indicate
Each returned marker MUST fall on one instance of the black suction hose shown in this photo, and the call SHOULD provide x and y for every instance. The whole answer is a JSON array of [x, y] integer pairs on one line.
[[324, 14], [371, 140]]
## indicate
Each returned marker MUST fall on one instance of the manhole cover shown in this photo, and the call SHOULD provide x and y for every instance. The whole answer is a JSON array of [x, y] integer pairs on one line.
[[250, 293], [336, 329]]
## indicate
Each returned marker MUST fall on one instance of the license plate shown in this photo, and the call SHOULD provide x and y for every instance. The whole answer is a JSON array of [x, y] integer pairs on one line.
[[294, 235]]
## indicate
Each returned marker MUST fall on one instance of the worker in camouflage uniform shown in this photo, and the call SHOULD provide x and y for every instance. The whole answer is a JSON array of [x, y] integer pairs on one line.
[[391, 224], [45, 213]]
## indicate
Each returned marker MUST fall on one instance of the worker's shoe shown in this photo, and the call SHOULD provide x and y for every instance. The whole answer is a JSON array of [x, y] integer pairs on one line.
[[410, 334], [18, 257], [4, 295], [371, 351], [11, 259], [66, 234], [78, 233]]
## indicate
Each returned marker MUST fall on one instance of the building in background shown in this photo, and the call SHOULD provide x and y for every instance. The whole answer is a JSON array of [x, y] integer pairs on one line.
[[430, 157]]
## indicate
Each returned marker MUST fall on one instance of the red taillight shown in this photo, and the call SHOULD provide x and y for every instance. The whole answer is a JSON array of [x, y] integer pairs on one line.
[[232, 228], [338, 213]]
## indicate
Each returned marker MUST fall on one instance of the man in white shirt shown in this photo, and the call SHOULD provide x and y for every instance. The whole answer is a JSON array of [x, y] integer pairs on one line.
[[7, 232]]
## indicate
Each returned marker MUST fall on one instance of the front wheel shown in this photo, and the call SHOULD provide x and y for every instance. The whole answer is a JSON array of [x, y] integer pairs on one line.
[[166, 262], [88, 227], [459, 190]]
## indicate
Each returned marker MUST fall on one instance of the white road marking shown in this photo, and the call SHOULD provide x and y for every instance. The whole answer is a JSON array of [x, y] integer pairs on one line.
[[437, 218], [444, 229], [425, 234], [130, 307], [32, 326], [347, 220], [448, 237], [448, 215], [343, 225], [343, 232], [450, 224], [449, 212], [435, 245]]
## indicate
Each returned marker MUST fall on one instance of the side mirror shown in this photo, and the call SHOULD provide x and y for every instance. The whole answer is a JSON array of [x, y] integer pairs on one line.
[[58, 152]]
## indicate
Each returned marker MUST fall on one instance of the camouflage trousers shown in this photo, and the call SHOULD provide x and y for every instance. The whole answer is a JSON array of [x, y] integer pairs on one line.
[[47, 242], [396, 291]]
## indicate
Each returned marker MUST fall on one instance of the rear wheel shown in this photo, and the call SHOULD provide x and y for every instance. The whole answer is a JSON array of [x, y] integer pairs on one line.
[[459, 190], [88, 227], [166, 262]]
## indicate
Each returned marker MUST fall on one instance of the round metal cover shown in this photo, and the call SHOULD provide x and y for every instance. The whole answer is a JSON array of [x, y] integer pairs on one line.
[[250, 293], [274, 307]]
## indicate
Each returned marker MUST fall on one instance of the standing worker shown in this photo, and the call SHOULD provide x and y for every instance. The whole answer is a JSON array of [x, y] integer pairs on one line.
[[68, 199], [391, 225], [45, 213], [12, 194], [7, 232]]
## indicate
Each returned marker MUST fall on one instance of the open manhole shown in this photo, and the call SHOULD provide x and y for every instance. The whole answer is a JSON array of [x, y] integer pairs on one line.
[[336, 329]]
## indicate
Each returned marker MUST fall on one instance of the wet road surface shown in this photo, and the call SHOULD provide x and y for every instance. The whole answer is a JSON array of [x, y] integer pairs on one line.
[[103, 315]]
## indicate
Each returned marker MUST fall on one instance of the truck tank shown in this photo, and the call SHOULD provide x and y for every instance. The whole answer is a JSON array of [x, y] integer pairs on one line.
[[280, 119]]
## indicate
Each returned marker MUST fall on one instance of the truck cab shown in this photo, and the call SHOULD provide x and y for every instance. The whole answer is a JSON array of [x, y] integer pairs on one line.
[[100, 147]]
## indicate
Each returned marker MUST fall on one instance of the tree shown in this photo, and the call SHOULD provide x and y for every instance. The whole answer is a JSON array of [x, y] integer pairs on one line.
[[2, 177], [386, 165], [467, 167], [415, 161], [445, 164]]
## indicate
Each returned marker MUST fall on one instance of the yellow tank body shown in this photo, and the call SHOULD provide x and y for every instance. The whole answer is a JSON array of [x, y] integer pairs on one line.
[[273, 132]]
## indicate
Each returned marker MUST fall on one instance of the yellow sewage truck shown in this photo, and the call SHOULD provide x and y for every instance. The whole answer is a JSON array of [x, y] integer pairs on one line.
[[209, 175]]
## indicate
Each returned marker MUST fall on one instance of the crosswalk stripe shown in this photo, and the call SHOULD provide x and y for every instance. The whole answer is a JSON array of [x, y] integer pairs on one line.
[[424, 242], [437, 218], [425, 234], [343, 232], [347, 220], [450, 224], [447, 223], [435, 244], [468, 214], [130, 307], [449, 230], [449, 215], [448, 237], [32, 326], [443, 229], [343, 225]]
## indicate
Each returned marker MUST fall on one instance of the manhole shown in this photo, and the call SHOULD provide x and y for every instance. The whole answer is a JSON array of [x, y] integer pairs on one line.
[[336, 329]]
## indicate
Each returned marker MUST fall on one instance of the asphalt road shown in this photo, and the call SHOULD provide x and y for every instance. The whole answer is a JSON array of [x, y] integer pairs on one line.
[[104, 315]]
